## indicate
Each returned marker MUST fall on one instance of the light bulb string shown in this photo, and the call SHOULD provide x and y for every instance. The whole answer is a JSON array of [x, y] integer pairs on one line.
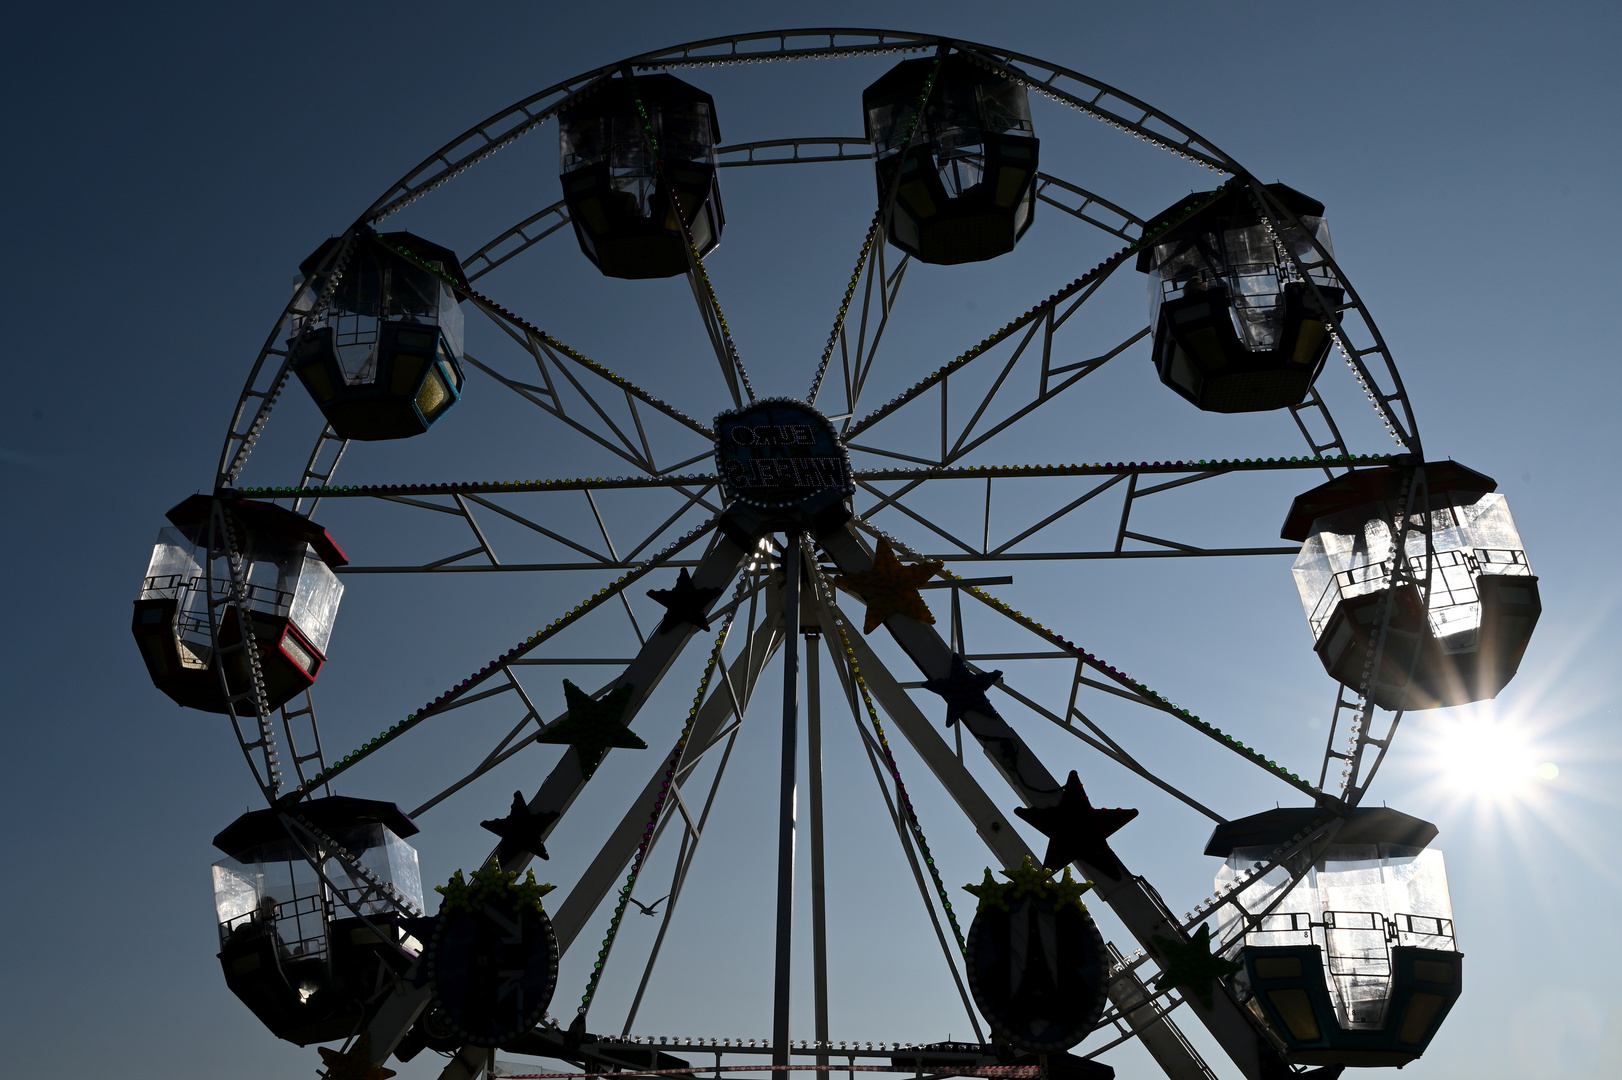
[[1140, 690], [672, 767], [500, 664], [886, 204], [997, 1072], [695, 261], [902, 798], [1042, 310]]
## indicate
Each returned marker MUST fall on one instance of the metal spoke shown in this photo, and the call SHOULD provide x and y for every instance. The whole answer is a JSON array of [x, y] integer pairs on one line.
[[538, 341], [908, 849], [678, 878], [506, 748], [927, 641], [721, 563], [1075, 294], [1079, 291], [1166, 476], [693, 500], [599, 877], [878, 230], [1109, 748], [1138, 906]]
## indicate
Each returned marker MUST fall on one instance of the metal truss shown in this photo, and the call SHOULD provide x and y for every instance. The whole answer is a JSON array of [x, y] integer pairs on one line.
[[550, 356], [713, 731], [967, 529], [531, 505], [518, 526]]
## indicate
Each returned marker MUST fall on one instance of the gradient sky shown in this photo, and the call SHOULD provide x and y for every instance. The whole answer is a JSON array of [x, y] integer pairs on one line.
[[173, 163]]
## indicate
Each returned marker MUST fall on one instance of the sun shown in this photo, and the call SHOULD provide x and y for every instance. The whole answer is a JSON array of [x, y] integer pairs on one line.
[[1485, 756]]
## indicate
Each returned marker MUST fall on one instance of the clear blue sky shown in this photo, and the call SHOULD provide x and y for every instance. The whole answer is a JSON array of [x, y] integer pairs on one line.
[[169, 166]]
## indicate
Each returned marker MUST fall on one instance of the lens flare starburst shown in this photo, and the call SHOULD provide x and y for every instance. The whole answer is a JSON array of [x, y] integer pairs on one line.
[[1484, 757]]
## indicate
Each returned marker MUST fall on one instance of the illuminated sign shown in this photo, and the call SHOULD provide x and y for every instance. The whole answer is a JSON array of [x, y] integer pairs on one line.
[[779, 453]]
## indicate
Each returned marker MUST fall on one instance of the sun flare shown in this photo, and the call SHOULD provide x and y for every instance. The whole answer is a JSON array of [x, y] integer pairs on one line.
[[1486, 758]]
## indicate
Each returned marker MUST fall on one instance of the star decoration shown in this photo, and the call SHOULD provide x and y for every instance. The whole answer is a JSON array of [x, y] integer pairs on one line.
[[355, 1065], [490, 881], [965, 690], [1076, 829], [989, 892], [1029, 880], [521, 830], [1191, 967], [890, 588], [685, 603], [528, 893], [593, 726]]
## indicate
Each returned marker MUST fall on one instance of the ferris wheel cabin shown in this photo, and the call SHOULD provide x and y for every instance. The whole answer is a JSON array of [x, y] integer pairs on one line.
[[966, 179], [289, 592], [1357, 964], [623, 198], [310, 907], [1238, 327], [382, 357], [1460, 601]]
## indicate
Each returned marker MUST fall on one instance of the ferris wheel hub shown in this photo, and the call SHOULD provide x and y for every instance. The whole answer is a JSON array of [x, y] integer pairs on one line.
[[783, 467]]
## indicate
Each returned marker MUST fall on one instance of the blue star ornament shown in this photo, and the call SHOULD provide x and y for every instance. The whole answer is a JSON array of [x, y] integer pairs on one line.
[[964, 690]]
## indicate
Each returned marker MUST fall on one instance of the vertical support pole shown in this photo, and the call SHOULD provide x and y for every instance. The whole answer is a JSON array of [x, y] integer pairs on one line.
[[819, 907], [787, 801]]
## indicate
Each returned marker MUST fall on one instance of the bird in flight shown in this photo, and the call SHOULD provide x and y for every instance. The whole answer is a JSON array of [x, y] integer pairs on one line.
[[649, 909]]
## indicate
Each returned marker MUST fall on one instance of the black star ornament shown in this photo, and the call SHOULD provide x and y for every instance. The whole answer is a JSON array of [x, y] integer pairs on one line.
[[685, 603], [521, 830], [593, 726], [1076, 829], [964, 690]]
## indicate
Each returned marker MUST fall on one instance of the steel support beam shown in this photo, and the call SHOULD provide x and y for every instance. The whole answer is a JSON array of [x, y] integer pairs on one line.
[[819, 899], [565, 782], [788, 801], [1133, 899], [599, 877], [1166, 1044], [1169, 1047]]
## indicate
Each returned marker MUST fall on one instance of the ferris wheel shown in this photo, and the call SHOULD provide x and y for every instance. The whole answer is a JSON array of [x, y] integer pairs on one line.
[[842, 534]]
